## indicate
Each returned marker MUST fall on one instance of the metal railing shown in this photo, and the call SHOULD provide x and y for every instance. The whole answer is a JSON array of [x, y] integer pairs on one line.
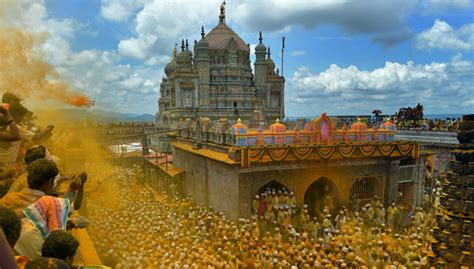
[[364, 189]]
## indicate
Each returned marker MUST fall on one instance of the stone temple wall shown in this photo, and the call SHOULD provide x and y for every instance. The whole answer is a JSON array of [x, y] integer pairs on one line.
[[231, 188]]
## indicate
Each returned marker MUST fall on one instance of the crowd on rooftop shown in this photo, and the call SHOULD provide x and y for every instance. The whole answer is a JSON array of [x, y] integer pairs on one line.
[[412, 118], [443, 125], [38, 196]]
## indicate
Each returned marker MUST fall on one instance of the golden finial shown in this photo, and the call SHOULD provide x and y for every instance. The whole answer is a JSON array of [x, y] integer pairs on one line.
[[359, 119], [239, 120], [222, 15], [174, 50], [277, 120]]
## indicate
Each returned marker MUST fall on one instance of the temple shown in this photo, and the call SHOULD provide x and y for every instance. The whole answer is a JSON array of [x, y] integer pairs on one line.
[[215, 80], [226, 164]]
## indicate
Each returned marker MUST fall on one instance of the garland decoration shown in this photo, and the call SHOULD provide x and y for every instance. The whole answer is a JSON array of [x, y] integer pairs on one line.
[[404, 149], [367, 150], [302, 153], [325, 152], [346, 151], [278, 154], [386, 149]]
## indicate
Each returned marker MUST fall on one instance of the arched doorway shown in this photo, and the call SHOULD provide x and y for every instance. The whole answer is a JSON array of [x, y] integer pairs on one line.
[[272, 185], [323, 192], [273, 192]]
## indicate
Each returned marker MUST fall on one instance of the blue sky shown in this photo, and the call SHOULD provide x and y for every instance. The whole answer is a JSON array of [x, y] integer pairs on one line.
[[341, 57]]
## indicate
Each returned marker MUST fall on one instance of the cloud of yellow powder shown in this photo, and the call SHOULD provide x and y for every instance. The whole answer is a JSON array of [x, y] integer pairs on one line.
[[23, 71]]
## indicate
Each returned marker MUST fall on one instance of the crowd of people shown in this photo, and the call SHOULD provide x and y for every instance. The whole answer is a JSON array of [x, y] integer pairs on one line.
[[155, 230], [444, 125], [134, 226], [410, 113], [38, 196], [412, 118]]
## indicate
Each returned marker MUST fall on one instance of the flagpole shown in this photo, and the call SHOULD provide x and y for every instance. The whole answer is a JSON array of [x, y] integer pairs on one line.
[[282, 52], [282, 96]]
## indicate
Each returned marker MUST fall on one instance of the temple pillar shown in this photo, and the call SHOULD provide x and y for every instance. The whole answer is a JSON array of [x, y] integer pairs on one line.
[[177, 91], [196, 93], [391, 182]]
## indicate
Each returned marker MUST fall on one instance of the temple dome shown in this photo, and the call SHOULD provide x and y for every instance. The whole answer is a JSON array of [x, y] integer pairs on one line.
[[171, 66], [270, 63], [260, 47], [187, 51], [182, 58], [203, 43], [219, 38]]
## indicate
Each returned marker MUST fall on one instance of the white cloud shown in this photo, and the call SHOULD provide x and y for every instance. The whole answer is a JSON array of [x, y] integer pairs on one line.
[[158, 60], [469, 102], [133, 82], [137, 48], [297, 53], [440, 86], [116, 86], [84, 57], [442, 36], [120, 10], [160, 24]]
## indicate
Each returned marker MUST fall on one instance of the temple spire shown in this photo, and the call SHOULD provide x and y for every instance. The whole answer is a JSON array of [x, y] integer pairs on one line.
[[202, 31], [268, 52], [260, 37], [182, 44], [222, 15], [174, 49], [187, 44]]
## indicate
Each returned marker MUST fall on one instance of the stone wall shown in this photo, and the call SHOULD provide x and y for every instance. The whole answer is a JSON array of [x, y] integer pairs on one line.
[[196, 174], [209, 182], [230, 189]]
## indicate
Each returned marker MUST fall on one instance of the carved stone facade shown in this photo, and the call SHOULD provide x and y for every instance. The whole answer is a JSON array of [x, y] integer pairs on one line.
[[216, 81]]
